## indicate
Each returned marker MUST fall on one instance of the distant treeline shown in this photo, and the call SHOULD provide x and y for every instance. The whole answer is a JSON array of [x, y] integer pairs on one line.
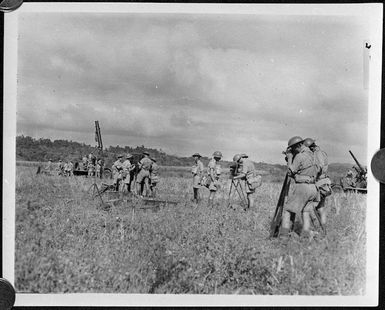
[[41, 150]]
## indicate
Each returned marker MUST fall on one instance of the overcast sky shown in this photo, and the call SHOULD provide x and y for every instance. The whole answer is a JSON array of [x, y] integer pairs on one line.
[[195, 83]]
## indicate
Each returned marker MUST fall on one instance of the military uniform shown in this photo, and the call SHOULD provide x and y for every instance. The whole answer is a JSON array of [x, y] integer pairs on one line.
[[303, 170], [70, 168], [98, 168], [247, 167], [214, 170], [197, 171], [144, 173], [126, 166], [154, 173], [117, 168]]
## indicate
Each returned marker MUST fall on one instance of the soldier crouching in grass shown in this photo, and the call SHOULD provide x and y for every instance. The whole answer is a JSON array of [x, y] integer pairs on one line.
[[247, 172], [303, 169], [214, 171], [142, 179], [197, 172], [154, 177]]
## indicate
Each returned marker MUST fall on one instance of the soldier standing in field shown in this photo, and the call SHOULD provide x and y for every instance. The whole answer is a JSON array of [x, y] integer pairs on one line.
[[197, 173], [117, 168], [303, 169], [91, 165], [214, 171], [154, 177], [70, 168], [127, 167], [323, 182], [247, 172], [61, 168], [98, 168], [142, 179], [84, 165]]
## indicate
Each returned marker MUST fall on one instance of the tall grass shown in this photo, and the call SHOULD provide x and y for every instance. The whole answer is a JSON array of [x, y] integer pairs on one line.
[[66, 243]]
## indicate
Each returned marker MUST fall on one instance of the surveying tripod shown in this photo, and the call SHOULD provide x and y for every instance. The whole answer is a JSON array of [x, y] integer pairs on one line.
[[236, 186]]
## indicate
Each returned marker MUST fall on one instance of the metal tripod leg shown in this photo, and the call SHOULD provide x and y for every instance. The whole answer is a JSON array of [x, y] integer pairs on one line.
[[241, 194]]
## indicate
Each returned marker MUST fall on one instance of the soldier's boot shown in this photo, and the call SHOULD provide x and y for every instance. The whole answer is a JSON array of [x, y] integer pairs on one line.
[[306, 235]]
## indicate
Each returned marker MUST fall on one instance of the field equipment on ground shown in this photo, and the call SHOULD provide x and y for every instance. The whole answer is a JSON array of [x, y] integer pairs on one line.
[[236, 186], [109, 196], [277, 219], [358, 183]]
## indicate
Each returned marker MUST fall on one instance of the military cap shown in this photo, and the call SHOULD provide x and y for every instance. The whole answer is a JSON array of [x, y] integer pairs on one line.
[[128, 155], [146, 153], [196, 155], [294, 140], [217, 154], [120, 156], [308, 142]]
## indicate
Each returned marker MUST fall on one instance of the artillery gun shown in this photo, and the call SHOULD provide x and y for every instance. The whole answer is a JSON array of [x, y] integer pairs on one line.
[[97, 154], [356, 182]]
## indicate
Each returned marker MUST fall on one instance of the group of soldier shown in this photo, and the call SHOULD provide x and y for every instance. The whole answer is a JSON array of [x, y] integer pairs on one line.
[[143, 182], [307, 168], [62, 168], [210, 178]]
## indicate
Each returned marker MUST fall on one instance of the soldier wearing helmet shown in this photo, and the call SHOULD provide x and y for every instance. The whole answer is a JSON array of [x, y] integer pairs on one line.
[[197, 173], [214, 171], [117, 169], [127, 167], [303, 169], [323, 182], [248, 173], [143, 177]]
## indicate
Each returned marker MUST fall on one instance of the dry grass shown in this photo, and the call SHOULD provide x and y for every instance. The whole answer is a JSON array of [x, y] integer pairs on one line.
[[66, 243]]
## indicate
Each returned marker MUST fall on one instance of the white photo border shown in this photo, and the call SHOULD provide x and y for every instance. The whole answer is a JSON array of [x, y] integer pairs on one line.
[[373, 12]]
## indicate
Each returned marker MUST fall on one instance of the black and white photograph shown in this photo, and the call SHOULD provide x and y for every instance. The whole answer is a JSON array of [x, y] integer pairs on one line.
[[192, 154]]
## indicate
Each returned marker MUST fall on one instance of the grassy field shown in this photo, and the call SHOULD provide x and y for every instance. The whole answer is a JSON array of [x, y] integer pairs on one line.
[[65, 242]]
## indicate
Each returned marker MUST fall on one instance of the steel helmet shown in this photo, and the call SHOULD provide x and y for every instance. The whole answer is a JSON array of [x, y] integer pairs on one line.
[[308, 142], [243, 155], [196, 155], [128, 156], [217, 154], [120, 155], [294, 140], [237, 157]]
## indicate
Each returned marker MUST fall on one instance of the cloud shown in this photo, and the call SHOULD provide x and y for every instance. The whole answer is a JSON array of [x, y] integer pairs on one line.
[[194, 83]]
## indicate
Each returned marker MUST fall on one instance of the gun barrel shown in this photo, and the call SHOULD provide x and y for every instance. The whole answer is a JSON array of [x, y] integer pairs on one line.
[[355, 159]]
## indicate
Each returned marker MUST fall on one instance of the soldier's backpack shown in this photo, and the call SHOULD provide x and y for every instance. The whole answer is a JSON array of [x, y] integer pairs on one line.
[[253, 181]]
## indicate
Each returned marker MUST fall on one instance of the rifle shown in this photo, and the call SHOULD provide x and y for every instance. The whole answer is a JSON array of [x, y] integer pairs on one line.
[[277, 219]]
